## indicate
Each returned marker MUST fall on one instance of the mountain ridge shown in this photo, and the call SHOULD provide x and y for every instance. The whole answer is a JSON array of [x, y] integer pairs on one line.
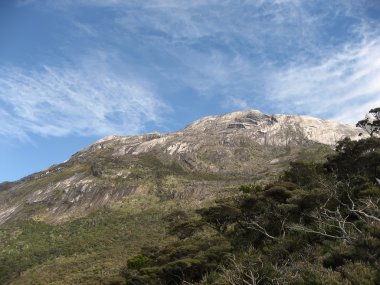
[[234, 148]]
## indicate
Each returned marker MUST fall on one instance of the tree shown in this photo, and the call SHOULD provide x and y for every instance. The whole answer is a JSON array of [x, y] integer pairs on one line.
[[371, 122]]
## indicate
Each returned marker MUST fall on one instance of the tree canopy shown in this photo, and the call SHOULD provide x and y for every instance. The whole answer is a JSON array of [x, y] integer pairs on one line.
[[371, 122]]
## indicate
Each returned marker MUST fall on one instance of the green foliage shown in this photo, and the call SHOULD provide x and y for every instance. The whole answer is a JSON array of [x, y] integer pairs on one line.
[[190, 258], [186, 260], [250, 188], [318, 225], [302, 173], [356, 158], [76, 252], [138, 262], [371, 123], [186, 229], [220, 216]]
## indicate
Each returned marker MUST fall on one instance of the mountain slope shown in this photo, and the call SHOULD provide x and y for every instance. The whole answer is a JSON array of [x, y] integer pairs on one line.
[[217, 150], [79, 221]]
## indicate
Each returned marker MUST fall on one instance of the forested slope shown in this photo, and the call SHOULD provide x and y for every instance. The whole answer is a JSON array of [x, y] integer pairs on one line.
[[318, 224]]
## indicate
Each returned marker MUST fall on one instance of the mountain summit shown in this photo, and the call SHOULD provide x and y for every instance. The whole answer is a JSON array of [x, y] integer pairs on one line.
[[215, 152]]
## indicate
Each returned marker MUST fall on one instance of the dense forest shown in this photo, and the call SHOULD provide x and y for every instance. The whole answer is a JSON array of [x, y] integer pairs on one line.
[[318, 224]]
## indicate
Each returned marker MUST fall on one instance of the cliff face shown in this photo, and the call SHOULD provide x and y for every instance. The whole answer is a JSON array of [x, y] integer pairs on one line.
[[214, 152]]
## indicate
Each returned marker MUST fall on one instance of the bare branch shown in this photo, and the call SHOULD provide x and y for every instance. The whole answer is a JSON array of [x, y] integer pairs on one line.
[[253, 225]]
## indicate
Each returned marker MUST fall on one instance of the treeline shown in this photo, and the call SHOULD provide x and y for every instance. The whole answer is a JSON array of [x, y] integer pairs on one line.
[[318, 224]]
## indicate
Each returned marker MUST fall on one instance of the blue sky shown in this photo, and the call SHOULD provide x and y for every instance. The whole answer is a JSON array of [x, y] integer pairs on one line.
[[73, 71]]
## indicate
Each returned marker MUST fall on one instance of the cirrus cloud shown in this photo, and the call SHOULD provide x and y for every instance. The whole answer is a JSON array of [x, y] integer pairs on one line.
[[343, 86], [59, 102]]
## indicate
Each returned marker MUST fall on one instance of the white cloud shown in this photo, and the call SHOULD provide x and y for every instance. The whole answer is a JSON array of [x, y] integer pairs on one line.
[[235, 102], [85, 28], [59, 102], [229, 49], [343, 86], [314, 74], [9, 127], [314, 57]]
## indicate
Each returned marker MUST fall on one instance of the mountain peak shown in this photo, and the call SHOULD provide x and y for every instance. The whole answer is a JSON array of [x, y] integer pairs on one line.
[[233, 146], [278, 127]]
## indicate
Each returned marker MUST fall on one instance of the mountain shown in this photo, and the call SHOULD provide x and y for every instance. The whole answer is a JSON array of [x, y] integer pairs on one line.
[[215, 152], [82, 221]]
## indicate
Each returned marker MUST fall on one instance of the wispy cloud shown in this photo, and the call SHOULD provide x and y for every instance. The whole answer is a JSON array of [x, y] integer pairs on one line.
[[260, 51], [310, 57], [58, 102], [85, 28], [342, 87], [9, 127]]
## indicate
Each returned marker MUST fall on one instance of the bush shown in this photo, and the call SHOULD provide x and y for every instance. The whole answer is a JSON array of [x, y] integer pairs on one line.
[[138, 262]]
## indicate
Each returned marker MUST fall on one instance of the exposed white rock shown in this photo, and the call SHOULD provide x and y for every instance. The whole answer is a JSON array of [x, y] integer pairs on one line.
[[271, 130], [108, 138], [5, 214], [240, 144], [274, 161], [177, 148]]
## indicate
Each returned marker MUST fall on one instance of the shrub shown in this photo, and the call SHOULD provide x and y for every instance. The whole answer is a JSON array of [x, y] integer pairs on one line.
[[138, 262]]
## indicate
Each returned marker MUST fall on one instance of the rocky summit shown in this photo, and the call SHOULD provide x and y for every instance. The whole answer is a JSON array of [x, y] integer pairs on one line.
[[195, 164]]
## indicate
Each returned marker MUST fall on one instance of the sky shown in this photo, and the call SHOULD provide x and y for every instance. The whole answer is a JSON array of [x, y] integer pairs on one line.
[[74, 71]]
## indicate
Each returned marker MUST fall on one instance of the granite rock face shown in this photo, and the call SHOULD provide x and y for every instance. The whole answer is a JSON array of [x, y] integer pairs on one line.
[[213, 152]]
